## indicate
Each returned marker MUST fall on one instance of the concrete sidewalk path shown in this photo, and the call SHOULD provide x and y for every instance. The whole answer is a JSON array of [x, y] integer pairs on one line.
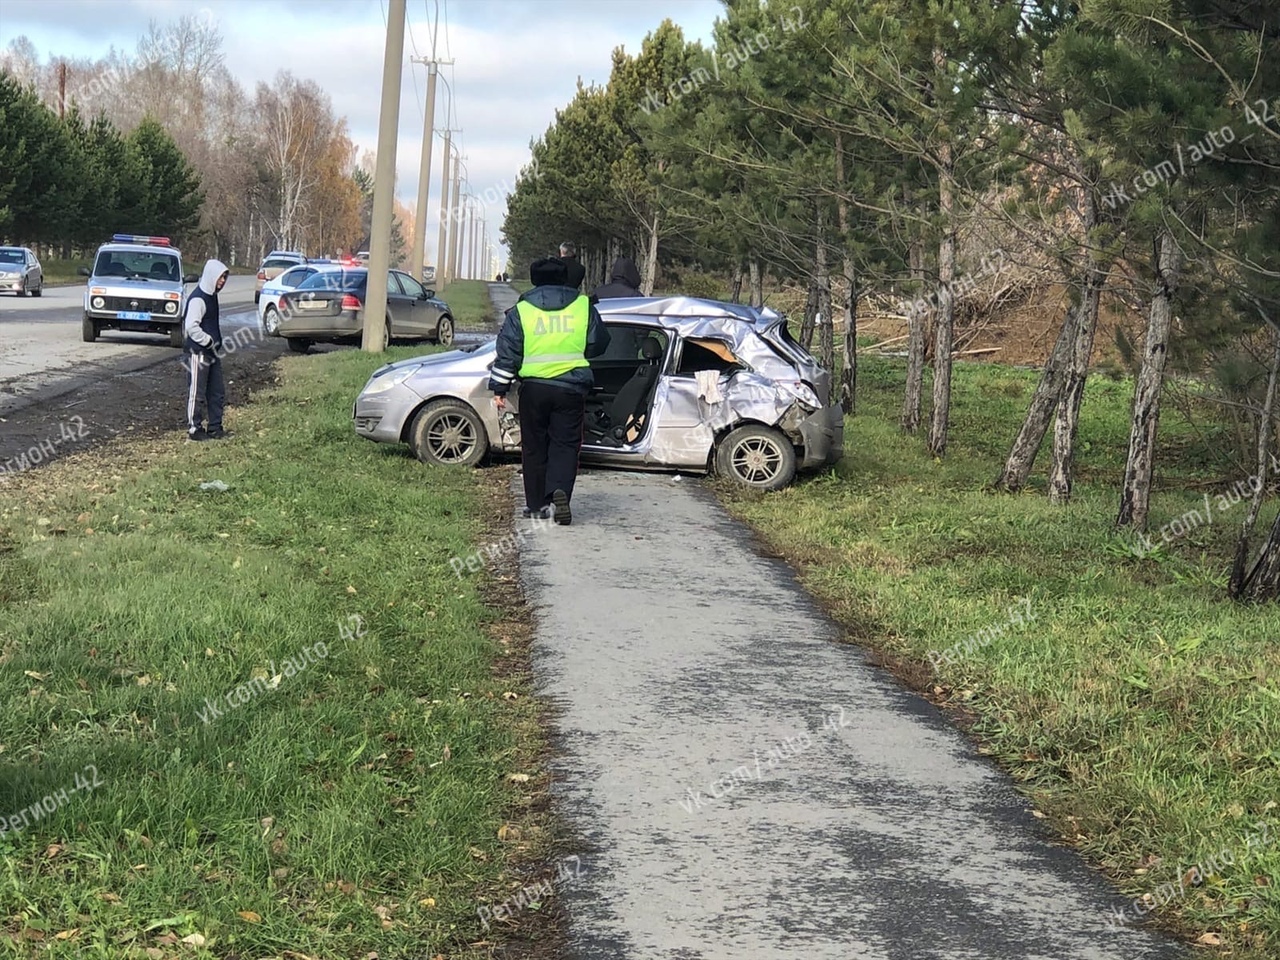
[[742, 786]]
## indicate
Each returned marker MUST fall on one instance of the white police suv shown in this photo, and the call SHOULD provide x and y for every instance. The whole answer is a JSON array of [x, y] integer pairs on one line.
[[136, 285]]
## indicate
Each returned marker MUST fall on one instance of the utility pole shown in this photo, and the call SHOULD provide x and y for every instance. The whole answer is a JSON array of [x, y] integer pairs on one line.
[[442, 265], [424, 174], [454, 218], [384, 182], [62, 93]]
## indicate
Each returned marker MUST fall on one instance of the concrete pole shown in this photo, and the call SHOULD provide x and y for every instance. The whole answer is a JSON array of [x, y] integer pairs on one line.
[[455, 219], [384, 183], [471, 240], [418, 257], [444, 213]]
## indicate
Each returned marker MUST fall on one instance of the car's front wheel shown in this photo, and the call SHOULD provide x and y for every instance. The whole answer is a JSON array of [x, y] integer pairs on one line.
[[38, 291], [758, 457], [448, 433], [177, 336], [444, 331], [88, 330]]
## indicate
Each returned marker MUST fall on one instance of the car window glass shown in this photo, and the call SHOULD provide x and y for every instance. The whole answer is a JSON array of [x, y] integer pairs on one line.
[[331, 280], [279, 262], [10, 256], [625, 340], [393, 288], [137, 264], [411, 286], [291, 278]]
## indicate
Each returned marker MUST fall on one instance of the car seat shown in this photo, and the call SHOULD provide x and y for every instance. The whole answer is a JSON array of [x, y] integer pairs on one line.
[[630, 410], [115, 269], [160, 271]]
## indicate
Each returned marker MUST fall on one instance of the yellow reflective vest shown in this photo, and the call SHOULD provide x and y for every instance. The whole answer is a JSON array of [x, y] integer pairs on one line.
[[555, 341]]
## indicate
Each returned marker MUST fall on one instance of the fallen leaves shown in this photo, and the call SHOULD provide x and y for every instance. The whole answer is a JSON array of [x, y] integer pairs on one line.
[[249, 916]]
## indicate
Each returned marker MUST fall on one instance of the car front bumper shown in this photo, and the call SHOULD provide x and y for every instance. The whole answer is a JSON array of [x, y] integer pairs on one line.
[[382, 416], [12, 285]]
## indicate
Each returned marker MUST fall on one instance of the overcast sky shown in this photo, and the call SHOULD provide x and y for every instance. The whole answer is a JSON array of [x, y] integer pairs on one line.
[[516, 61]]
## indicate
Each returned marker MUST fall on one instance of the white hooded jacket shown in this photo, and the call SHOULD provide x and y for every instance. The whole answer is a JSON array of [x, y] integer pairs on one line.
[[213, 269]]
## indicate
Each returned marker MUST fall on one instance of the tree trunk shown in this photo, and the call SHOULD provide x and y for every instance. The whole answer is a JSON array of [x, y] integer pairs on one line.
[[810, 308], [757, 283], [735, 288], [849, 358], [651, 259], [1262, 582], [826, 332], [910, 419], [1135, 493], [1067, 421], [944, 327], [1022, 456]]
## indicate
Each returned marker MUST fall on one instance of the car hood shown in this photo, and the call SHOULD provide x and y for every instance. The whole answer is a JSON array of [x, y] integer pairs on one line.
[[449, 363], [123, 287]]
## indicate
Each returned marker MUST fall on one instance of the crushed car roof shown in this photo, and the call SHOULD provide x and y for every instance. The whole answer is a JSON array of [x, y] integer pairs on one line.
[[691, 309]]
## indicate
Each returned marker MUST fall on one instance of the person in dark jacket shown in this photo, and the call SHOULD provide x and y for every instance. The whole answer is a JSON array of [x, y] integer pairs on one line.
[[577, 272], [624, 281], [544, 343], [206, 389]]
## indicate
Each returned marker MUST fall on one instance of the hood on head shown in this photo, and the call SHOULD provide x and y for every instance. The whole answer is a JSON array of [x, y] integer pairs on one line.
[[624, 270], [213, 269]]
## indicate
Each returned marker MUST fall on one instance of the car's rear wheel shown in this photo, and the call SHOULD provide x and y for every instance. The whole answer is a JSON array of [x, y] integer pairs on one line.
[[448, 433], [88, 330], [176, 335], [444, 331], [299, 344], [386, 336], [757, 457], [271, 321]]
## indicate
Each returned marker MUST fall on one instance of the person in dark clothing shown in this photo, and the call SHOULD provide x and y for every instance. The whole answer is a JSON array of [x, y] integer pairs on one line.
[[577, 272], [624, 281], [206, 390], [544, 343]]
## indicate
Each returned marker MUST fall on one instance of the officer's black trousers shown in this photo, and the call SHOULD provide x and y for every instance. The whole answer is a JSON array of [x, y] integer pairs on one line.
[[551, 419]]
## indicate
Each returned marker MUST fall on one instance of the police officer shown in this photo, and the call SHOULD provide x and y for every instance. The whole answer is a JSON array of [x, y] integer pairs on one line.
[[545, 341]]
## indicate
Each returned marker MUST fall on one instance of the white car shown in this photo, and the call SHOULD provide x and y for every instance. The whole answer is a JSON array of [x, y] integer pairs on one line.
[[291, 279]]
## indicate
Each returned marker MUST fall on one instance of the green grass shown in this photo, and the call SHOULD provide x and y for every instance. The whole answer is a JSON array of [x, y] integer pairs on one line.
[[1141, 708], [372, 780], [470, 304], [64, 271]]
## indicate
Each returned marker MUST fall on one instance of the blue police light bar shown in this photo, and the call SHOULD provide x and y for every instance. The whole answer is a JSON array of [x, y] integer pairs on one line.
[[127, 238]]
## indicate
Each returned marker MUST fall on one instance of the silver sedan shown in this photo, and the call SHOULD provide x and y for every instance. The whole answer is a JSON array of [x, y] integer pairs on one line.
[[686, 384], [20, 272]]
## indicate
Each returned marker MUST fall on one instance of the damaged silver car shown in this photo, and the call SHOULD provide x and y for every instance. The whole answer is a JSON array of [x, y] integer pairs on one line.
[[686, 384]]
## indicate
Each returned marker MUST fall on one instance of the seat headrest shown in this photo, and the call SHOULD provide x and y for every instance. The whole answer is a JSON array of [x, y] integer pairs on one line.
[[651, 348]]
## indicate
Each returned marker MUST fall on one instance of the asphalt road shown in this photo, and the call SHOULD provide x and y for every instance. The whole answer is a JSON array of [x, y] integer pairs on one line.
[[742, 785], [40, 345]]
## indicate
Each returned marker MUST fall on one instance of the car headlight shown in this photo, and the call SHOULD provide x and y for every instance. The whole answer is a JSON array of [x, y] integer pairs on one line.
[[98, 303], [390, 381], [171, 307], [6, 275]]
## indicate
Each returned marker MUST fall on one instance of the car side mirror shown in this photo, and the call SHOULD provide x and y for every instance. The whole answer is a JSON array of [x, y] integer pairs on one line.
[[85, 272], [428, 294], [191, 278]]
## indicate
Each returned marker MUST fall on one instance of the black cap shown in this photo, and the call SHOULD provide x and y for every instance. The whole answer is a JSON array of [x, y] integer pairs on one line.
[[548, 272]]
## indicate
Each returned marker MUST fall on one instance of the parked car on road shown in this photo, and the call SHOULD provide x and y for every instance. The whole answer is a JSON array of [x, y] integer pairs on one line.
[[291, 279], [274, 264], [20, 272], [137, 285], [329, 308], [688, 384]]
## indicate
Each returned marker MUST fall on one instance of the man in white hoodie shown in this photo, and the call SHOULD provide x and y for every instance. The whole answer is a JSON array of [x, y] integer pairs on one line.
[[207, 392]]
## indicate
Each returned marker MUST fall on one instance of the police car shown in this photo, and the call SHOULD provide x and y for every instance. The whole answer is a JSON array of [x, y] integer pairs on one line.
[[136, 285]]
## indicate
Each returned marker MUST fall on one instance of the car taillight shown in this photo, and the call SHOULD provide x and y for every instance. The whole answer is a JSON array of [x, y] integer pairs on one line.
[[262, 275], [350, 303]]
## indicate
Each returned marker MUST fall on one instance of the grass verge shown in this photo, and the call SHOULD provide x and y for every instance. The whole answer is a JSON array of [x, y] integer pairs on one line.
[[470, 304], [1140, 709], [269, 719]]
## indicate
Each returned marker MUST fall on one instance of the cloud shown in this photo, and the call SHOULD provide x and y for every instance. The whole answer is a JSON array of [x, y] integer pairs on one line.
[[516, 61]]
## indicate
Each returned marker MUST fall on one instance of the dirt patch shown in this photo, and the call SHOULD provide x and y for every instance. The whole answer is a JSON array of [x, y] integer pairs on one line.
[[142, 402]]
